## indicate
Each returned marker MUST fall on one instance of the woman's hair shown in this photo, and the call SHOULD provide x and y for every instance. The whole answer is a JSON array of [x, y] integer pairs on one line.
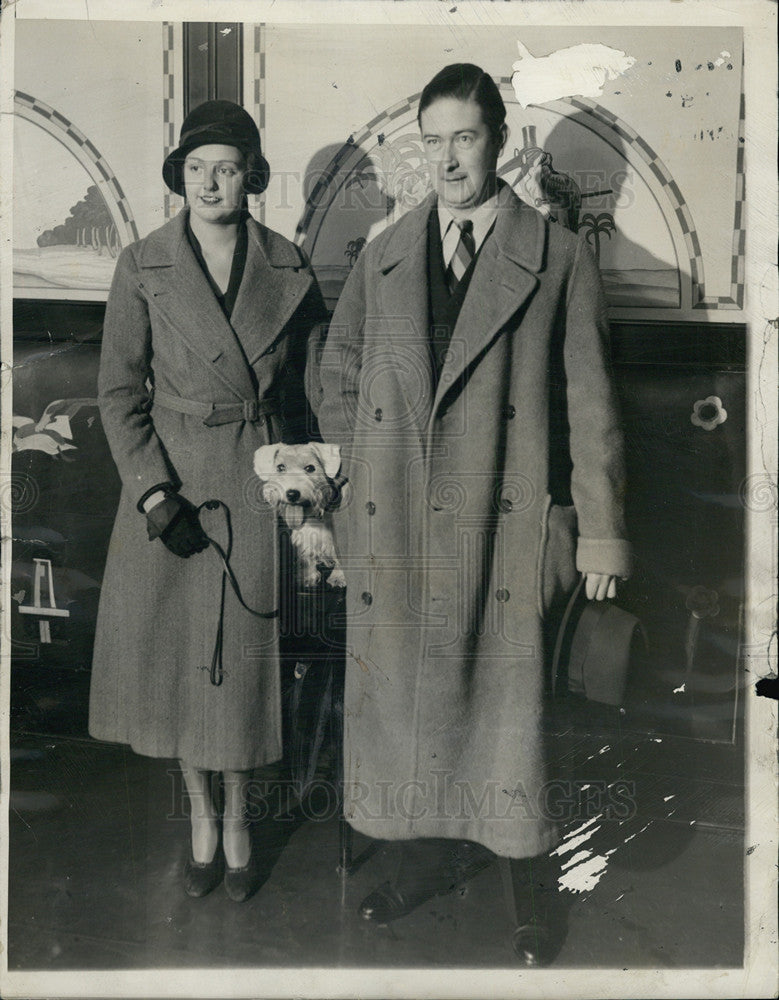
[[257, 173], [255, 179], [465, 81]]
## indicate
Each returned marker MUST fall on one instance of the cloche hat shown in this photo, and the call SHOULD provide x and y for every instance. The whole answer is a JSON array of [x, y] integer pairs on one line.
[[219, 123]]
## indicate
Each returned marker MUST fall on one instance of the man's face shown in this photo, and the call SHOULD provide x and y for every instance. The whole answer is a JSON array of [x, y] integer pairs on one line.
[[461, 151]]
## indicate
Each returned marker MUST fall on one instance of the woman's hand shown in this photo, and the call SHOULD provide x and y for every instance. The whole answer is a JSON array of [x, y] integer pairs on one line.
[[176, 523], [599, 586]]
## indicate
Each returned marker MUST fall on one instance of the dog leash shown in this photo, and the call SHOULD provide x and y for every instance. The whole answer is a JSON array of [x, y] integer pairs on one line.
[[216, 671]]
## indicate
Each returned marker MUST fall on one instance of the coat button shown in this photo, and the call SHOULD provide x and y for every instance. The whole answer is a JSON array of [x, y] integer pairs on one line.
[[367, 598], [509, 412], [502, 596], [378, 414], [506, 505], [370, 507]]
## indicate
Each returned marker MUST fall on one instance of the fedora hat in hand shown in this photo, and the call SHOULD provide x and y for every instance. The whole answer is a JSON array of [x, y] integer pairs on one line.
[[594, 647], [221, 123]]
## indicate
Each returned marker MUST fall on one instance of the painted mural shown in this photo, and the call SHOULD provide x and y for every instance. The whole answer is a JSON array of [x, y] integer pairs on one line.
[[60, 248], [576, 161]]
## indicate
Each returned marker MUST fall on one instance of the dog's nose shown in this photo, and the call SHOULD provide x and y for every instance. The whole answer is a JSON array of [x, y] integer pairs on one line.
[[293, 496]]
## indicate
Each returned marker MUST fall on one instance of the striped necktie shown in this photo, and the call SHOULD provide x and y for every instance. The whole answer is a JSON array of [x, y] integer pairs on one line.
[[463, 255]]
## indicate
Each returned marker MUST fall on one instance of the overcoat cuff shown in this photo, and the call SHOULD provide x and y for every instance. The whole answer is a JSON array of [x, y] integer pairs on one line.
[[611, 556]]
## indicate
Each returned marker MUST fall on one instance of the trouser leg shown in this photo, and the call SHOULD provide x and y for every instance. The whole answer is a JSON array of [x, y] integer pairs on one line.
[[531, 888]]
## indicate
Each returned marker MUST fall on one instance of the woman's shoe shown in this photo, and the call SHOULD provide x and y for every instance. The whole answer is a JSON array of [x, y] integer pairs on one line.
[[200, 877], [241, 883]]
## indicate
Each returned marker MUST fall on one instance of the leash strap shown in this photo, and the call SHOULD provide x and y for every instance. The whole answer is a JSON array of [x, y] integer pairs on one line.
[[216, 670]]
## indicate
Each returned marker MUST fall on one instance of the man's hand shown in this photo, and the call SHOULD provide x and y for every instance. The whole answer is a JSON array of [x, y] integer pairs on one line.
[[599, 586]]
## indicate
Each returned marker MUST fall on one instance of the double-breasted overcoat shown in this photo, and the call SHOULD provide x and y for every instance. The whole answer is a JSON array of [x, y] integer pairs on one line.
[[165, 340], [474, 503]]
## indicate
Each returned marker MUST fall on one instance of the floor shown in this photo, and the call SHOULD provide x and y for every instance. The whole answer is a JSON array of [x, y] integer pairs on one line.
[[653, 871]]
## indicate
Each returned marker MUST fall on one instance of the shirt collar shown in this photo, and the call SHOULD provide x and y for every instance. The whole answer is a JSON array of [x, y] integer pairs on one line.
[[482, 218]]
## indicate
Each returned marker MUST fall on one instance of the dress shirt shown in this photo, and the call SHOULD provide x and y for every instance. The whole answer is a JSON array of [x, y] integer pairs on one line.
[[482, 218]]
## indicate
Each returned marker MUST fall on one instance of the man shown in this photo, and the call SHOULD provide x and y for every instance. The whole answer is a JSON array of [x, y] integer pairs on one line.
[[466, 377]]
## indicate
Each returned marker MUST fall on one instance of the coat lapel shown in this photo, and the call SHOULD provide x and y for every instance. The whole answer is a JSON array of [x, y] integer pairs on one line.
[[404, 302], [270, 291], [504, 278], [274, 282], [180, 291]]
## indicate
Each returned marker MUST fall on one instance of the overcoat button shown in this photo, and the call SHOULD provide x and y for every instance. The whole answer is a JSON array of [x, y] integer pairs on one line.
[[378, 414], [370, 507], [502, 596], [367, 598], [509, 412], [506, 505]]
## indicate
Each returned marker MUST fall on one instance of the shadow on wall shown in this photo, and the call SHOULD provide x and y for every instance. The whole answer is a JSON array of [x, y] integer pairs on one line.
[[352, 194], [346, 198]]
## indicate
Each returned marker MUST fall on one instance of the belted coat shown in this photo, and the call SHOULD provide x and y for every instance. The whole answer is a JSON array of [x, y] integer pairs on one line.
[[166, 340], [474, 503]]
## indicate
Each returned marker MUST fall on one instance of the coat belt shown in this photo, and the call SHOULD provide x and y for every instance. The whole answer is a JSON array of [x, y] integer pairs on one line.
[[214, 414]]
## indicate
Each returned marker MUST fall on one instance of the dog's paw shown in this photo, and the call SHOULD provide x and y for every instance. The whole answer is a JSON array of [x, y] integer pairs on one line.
[[336, 578], [310, 576]]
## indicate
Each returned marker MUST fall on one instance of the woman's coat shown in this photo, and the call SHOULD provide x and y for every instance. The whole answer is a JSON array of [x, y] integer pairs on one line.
[[461, 530], [166, 336]]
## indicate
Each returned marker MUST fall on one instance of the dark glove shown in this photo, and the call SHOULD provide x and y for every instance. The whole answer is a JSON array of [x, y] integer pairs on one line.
[[176, 523]]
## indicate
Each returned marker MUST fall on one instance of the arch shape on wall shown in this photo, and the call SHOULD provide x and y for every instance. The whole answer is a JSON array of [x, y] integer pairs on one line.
[[87, 154], [645, 161], [610, 128]]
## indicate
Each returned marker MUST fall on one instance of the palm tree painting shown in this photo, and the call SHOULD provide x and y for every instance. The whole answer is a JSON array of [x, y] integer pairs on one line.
[[596, 226], [353, 248]]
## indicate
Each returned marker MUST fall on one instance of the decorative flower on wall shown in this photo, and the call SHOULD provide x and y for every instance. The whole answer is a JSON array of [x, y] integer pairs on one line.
[[708, 413], [702, 602]]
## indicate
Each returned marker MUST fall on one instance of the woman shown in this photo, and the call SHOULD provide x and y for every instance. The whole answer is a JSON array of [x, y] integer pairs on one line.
[[202, 362]]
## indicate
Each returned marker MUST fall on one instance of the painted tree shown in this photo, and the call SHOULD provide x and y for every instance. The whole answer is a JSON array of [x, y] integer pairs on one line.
[[596, 226], [353, 249], [89, 224]]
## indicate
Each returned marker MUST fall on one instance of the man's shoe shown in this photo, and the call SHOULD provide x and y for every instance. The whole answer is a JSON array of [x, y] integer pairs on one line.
[[465, 861], [534, 945], [388, 903]]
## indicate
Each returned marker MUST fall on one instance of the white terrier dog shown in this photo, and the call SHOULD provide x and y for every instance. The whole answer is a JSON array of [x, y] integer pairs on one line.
[[298, 482]]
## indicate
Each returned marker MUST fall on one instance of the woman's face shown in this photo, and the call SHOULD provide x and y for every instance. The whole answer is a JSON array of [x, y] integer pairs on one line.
[[213, 182]]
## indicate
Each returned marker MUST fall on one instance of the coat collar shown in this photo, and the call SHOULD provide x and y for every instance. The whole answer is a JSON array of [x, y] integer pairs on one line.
[[505, 277], [520, 232], [507, 274], [274, 281], [161, 248]]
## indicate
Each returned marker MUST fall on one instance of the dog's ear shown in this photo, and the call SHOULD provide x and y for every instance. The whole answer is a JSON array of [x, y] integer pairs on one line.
[[265, 460], [329, 456]]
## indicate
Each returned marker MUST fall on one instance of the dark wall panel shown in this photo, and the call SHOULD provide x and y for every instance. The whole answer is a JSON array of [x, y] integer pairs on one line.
[[213, 63]]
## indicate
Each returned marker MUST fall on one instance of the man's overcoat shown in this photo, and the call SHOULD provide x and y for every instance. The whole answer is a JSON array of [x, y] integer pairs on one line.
[[466, 520], [166, 336]]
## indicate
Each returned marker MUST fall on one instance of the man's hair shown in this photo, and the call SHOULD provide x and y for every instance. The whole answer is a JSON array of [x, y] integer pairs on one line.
[[465, 81]]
